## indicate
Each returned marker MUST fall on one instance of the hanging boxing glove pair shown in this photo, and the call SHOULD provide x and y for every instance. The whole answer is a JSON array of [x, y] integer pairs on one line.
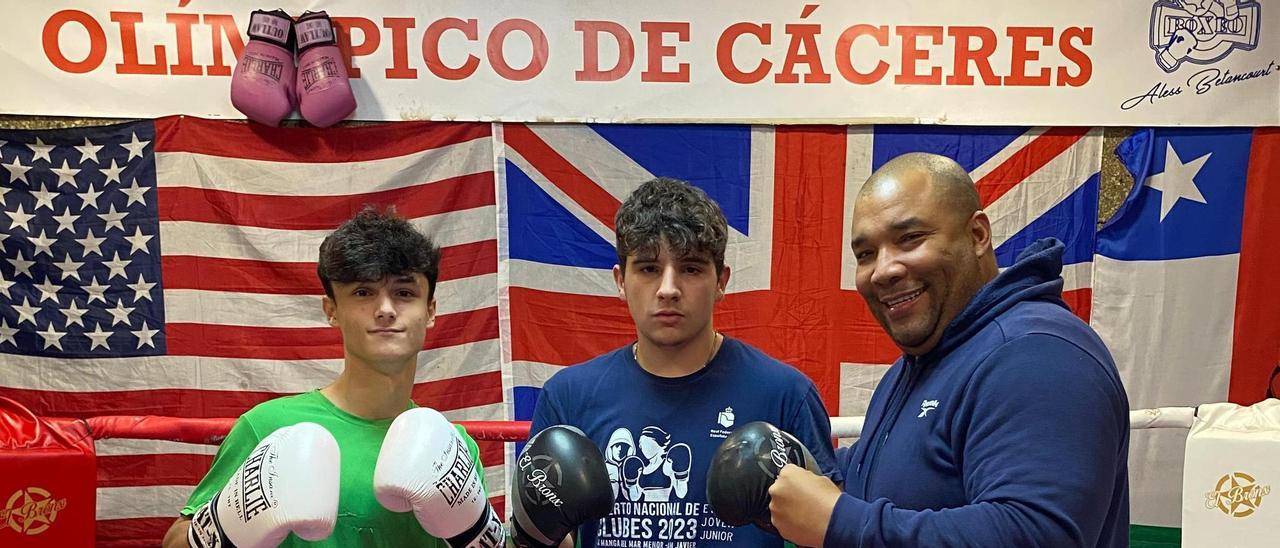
[[267, 85]]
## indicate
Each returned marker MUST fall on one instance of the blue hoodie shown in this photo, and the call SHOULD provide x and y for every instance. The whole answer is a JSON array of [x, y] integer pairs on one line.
[[1012, 431]]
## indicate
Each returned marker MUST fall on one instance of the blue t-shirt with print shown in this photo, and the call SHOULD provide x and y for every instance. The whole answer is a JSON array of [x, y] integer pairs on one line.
[[658, 436]]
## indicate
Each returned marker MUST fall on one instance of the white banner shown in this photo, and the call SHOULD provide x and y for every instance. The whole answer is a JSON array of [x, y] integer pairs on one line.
[[1085, 62]]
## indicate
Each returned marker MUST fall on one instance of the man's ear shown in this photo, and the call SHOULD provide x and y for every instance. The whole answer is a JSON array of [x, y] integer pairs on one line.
[[329, 308], [980, 231], [722, 283], [431, 313], [617, 279]]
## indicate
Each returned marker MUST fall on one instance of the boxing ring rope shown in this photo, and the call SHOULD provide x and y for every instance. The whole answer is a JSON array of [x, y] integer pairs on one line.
[[1139, 419], [212, 431], [1162, 417]]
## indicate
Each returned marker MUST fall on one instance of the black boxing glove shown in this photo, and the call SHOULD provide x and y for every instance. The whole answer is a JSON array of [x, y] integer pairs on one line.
[[560, 483], [745, 466]]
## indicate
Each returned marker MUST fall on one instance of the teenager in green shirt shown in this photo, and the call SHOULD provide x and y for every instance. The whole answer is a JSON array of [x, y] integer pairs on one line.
[[379, 275]]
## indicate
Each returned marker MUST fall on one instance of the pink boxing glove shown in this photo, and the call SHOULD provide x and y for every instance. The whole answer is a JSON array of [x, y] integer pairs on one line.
[[262, 86], [324, 92]]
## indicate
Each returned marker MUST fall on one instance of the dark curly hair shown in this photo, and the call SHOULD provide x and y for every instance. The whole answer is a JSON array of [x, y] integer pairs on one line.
[[674, 211], [374, 245]]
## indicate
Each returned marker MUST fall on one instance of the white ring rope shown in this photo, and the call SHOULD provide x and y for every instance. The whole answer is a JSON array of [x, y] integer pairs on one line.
[[1139, 419]]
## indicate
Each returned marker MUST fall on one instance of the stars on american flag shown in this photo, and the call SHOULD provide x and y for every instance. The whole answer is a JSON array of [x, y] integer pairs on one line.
[[120, 314], [89, 151], [145, 335], [66, 175], [69, 268], [96, 291], [141, 289], [116, 266], [98, 337], [113, 218], [48, 291], [6, 332], [40, 150], [18, 218], [90, 196], [26, 312], [113, 172], [135, 193], [73, 314], [44, 244], [51, 338], [80, 275], [44, 198], [21, 266], [138, 241], [17, 172], [66, 221], [135, 147], [91, 243]]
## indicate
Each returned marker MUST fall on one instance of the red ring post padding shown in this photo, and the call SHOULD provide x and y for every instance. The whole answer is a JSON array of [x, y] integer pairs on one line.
[[47, 475]]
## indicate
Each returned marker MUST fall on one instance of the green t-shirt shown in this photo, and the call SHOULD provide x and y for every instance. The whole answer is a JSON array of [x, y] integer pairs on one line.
[[362, 521]]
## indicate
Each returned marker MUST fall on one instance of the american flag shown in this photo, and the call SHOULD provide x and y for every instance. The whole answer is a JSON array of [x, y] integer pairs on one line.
[[786, 193], [168, 267]]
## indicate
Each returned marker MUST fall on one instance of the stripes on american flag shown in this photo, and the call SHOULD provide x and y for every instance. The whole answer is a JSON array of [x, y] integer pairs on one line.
[[236, 214]]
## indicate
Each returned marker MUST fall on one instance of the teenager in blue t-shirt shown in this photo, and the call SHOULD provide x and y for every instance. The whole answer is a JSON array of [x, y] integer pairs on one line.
[[659, 408]]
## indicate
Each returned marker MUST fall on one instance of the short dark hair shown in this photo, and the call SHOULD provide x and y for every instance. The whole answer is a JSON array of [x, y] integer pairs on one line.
[[373, 245], [673, 211]]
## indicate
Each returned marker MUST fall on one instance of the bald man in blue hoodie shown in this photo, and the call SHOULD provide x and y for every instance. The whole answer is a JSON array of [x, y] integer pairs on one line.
[[1004, 423]]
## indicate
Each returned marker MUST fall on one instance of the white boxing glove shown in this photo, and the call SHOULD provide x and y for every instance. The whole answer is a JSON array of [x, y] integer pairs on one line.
[[289, 483], [424, 466]]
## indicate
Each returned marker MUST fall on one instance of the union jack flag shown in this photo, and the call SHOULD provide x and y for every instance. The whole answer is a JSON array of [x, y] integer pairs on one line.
[[787, 196]]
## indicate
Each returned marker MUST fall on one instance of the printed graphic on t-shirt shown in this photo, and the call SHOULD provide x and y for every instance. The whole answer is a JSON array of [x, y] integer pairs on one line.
[[723, 425], [649, 473], [725, 418], [648, 467]]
